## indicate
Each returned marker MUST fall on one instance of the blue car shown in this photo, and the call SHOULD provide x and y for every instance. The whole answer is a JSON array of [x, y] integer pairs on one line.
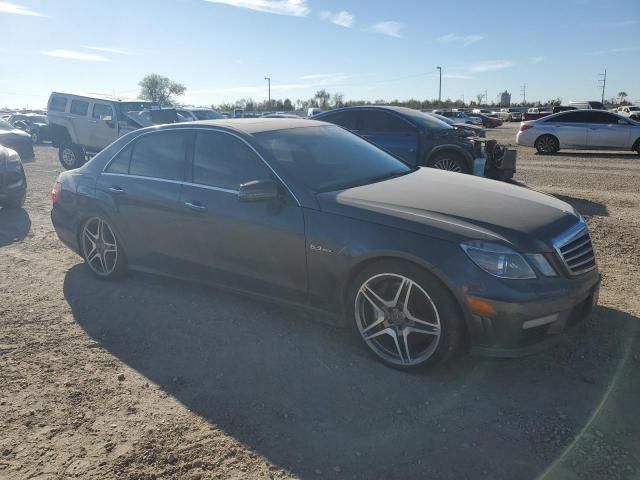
[[422, 140]]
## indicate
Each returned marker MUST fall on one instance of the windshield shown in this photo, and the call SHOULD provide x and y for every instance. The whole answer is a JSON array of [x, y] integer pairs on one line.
[[328, 158], [206, 114], [4, 125], [442, 118]]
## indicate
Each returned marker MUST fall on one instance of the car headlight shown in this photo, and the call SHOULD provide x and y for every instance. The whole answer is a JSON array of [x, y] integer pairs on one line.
[[498, 260]]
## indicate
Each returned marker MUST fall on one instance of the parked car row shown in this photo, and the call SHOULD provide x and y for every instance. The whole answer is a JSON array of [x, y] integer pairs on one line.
[[580, 129], [418, 261], [16, 139]]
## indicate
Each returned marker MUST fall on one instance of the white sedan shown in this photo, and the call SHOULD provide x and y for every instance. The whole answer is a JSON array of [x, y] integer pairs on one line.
[[580, 129]]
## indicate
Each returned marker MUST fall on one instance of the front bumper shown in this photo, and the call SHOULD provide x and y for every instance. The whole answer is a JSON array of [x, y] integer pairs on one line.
[[525, 327]]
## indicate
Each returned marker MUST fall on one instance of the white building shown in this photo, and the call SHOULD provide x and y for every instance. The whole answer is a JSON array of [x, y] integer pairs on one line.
[[504, 99]]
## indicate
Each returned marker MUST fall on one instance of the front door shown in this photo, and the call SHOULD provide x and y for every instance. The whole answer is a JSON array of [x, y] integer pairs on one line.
[[608, 131], [102, 126], [253, 246], [391, 133]]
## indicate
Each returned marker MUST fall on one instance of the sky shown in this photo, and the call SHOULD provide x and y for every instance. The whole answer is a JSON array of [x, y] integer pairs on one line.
[[222, 50]]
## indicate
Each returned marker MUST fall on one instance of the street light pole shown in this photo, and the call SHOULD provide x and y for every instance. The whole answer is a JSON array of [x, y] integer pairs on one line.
[[440, 87], [268, 79]]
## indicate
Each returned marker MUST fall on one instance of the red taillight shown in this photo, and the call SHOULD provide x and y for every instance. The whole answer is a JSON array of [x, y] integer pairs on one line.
[[525, 127], [55, 192]]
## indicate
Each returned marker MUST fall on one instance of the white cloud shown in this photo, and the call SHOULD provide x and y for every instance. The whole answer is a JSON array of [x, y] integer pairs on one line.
[[342, 18], [387, 28], [466, 40], [535, 60], [119, 51], [490, 65], [614, 50], [8, 7], [296, 8], [72, 55]]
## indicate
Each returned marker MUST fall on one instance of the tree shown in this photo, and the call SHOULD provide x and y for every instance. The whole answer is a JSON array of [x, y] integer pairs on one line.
[[338, 100], [160, 89], [480, 96], [622, 96], [322, 98]]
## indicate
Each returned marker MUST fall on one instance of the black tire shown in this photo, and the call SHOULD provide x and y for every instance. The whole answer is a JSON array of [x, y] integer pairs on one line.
[[14, 202], [547, 144], [450, 161], [106, 265], [71, 156], [448, 315], [636, 146]]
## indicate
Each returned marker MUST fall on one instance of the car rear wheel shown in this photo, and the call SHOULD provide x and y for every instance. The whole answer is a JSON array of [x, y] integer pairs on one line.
[[101, 249], [71, 156], [636, 146], [450, 161], [547, 144], [404, 315]]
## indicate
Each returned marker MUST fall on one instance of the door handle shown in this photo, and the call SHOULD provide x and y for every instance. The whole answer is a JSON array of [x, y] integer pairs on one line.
[[116, 189], [195, 206]]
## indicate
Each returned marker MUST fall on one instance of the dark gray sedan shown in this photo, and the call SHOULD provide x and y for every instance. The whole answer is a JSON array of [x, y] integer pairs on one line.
[[416, 260]]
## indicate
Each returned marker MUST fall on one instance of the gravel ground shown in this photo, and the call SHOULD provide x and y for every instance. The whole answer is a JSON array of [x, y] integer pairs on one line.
[[159, 379]]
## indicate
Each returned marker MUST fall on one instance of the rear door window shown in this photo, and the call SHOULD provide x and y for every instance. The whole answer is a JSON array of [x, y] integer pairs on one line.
[[79, 107], [571, 117], [160, 155], [224, 161], [348, 119]]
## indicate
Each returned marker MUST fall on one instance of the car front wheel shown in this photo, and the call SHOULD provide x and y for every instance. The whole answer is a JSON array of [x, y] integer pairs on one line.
[[101, 249], [547, 144], [450, 161], [405, 317], [71, 156]]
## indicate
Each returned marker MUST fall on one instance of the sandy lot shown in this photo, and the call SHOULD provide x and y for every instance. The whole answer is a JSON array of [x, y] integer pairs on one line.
[[158, 379]]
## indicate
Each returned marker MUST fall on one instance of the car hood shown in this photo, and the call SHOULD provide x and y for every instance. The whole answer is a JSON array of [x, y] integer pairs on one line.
[[457, 207]]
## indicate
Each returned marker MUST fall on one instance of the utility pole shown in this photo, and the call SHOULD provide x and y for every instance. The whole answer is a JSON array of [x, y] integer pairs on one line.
[[463, 99], [603, 81], [268, 79], [486, 99], [523, 91], [440, 86]]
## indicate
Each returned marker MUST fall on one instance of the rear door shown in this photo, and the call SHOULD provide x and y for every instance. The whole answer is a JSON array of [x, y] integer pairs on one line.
[[570, 128], [141, 187], [253, 246], [607, 131], [391, 132], [102, 125]]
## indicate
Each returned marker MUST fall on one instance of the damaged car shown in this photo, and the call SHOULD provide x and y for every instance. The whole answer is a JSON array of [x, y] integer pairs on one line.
[[420, 139]]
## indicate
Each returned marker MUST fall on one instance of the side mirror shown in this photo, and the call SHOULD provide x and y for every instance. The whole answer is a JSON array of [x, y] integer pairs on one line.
[[258, 190]]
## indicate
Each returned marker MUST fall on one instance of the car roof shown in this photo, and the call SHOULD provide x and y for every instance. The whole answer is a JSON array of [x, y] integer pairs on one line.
[[250, 126], [101, 96], [373, 107]]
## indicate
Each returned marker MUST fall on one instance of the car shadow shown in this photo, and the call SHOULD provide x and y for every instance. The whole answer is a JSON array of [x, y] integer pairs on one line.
[[585, 207], [15, 225], [310, 399], [596, 155]]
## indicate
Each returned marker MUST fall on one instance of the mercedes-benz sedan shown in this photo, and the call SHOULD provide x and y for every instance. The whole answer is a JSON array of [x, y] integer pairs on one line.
[[416, 260], [580, 129]]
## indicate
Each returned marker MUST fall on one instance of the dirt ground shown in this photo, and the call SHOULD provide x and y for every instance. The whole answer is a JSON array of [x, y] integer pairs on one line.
[[159, 379]]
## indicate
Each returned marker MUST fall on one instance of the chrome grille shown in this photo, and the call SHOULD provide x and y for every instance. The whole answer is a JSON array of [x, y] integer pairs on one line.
[[576, 250]]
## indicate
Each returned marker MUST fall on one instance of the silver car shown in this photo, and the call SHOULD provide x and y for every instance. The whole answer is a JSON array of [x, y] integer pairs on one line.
[[580, 129]]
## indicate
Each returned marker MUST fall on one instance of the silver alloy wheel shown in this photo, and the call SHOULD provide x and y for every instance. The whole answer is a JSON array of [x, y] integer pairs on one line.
[[397, 319], [99, 246], [447, 164], [68, 157], [547, 144]]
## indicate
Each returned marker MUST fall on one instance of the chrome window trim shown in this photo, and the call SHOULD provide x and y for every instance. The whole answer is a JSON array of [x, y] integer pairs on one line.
[[157, 179], [196, 129]]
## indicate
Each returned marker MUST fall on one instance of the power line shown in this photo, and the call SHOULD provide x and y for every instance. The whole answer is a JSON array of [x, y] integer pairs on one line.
[[603, 81]]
